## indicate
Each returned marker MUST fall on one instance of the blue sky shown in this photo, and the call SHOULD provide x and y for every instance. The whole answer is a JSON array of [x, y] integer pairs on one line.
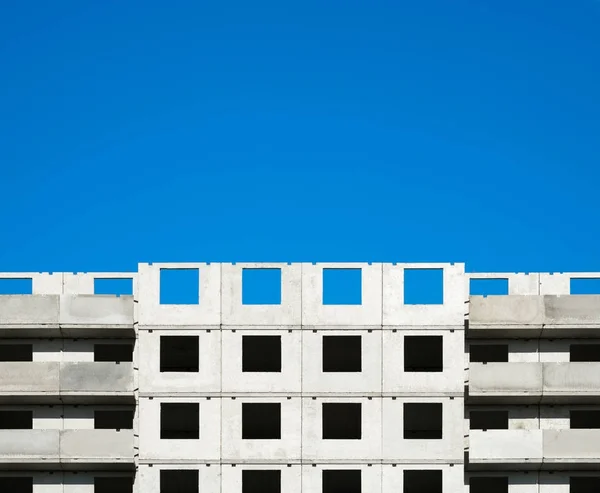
[[311, 131]]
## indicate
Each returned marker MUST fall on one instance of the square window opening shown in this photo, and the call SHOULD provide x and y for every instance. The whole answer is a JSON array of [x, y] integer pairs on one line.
[[584, 352], [585, 419], [261, 481], [261, 421], [588, 285], [342, 421], [115, 484], [488, 420], [342, 286], [17, 484], [422, 481], [113, 352], [179, 354], [423, 354], [422, 421], [261, 286], [16, 286], [179, 286], [179, 421], [488, 484], [488, 287], [179, 481], [342, 481], [423, 286], [261, 354], [16, 420], [584, 484], [488, 353], [117, 287], [16, 352], [342, 353], [121, 419]]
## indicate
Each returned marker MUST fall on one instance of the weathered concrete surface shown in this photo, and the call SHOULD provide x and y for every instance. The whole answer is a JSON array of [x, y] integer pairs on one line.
[[572, 446], [29, 310], [571, 378], [97, 377], [510, 310], [22, 378], [572, 310], [512, 448], [505, 379], [29, 446], [93, 311], [97, 445]]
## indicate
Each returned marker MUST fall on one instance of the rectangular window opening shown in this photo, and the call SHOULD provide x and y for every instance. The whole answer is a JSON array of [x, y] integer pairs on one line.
[[179, 354], [588, 285], [422, 481], [422, 421], [179, 481], [342, 353], [261, 421], [584, 352], [261, 481], [584, 484], [179, 286], [16, 352], [342, 481], [488, 420], [16, 286], [488, 287], [113, 352], [342, 286], [488, 484], [179, 421], [261, 286], [423, 286], [261, 354], [488, 353], [16, 420], [16, 484], [121, 419], [585, 419], [342, 421], [423, 354], [117, 287], [115, 484]]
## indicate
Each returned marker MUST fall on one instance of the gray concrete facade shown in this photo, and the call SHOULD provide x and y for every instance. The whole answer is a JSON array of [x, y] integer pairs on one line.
[[474, 394]]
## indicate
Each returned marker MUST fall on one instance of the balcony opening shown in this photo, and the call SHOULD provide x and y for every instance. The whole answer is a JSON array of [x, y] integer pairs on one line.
[[342, 481], [16, 286], [423, 421], [16, 484], [261, 421], [488, 420], [584, 484], [261, 286], [16, 352], [488, 353], [179, 353], [179, 287], [423, 354], [261, 354], [261, 481], [342, 353], [585, 419], [179, 421], [179, 481], [342, 286], [422, 481], [423, 286], [589, 285], [342, 421], [584, 352], [117, 484], [116, 287], [113, 420], [113, 352], [488, 287], [16, 420], [488, 484]]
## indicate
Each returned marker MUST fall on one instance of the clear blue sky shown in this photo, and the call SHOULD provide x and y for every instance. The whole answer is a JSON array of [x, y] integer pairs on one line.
[[300, 131]]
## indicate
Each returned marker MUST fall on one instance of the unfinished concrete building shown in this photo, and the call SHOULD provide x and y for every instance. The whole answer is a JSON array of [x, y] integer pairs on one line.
[[224, 385]]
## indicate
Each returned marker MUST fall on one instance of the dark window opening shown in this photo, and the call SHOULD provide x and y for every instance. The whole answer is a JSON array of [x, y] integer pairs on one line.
[[423, 481], [16, 420], [587, 420], [584, 484], [261, 481], [261, 354], [261, 421], [180, 421], [342, 421], [179, 353], [117, 484], [342, 481], [488, 484], [113, 352], [16, 485], [488, 420], [113, 420], [585, 352], [261, 286], [423, 354], [342, 286], [342, 353], [16, 352], [488, 353], [422, 421], [179, 287], [179, 481]]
